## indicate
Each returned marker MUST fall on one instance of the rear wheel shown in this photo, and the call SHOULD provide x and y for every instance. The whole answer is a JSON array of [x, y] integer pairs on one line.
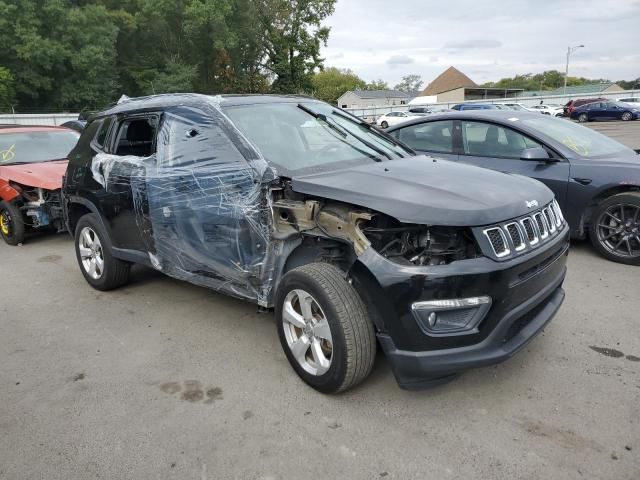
[[614, 229], [583, 117], [324, 328], [626, 116], [384, 124], [100, 269], [11, 223]]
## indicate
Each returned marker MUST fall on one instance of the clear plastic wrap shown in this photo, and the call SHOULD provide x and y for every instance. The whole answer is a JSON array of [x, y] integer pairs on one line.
[[200, 200]]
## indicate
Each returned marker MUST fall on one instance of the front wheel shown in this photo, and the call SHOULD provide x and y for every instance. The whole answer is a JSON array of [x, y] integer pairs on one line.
[[614, 229], [100, 269], [583, 117], [324, 328], [11, 223], [626, 116]]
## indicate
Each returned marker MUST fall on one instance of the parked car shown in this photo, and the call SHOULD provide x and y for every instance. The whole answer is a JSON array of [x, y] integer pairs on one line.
[[77, 125], [573, 104], [298, 206], [605, 111], [519, 107], [596, 180], [474, 106], [32, 162], [394, 118], [549, 109], [633, 101]]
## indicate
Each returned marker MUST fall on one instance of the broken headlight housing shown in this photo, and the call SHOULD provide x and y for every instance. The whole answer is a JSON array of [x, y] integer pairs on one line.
[[420, 245]]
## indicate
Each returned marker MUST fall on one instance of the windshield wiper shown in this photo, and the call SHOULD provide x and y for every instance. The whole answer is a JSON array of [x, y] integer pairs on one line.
[[323, 117], [344, 132], [373, 130]]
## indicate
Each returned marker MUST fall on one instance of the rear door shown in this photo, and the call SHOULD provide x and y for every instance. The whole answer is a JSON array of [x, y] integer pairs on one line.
[[436, 138], [499, 148]]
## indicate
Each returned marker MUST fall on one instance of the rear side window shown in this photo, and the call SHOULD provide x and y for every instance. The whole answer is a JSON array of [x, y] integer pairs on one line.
[[136, 136], [429, 137], [103, 130]]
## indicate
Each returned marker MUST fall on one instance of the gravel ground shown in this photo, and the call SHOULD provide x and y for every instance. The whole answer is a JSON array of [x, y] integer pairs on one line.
[[162, 379]]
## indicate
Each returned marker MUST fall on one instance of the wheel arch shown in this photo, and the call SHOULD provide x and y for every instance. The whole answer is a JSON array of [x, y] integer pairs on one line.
[[597, 199]]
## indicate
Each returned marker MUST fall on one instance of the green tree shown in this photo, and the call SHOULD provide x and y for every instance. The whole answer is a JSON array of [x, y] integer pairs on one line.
[[331, 83], [410, 83], [377, 85], [293, 36], [7, 90]]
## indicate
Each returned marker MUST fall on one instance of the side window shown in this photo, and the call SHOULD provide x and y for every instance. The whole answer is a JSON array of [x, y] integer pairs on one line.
[[189, 137], [136, 136], [489, 140], [429, 137], [103, 130]]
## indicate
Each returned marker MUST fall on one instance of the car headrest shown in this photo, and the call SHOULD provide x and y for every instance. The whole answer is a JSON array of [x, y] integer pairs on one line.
[[139, 131]]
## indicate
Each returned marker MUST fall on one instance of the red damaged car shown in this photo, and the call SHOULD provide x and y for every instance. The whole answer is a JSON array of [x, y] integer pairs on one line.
[[32, 163]]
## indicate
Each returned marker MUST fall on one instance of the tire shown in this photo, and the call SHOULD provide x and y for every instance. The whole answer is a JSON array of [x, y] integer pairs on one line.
[[351, 333], [384, 124], [583, 117], [113, 273], [11, 223], [626, 116], [606, 222]]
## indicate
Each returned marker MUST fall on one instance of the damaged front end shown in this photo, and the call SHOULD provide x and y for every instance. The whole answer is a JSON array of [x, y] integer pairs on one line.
[[39, 207]]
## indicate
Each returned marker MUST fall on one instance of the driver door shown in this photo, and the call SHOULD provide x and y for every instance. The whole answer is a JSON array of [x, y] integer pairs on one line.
[[207, 211], [499, 148]]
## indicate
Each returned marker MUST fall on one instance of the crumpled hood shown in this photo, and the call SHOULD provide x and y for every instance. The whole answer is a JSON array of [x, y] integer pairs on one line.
[[427, 191], [47, 175]]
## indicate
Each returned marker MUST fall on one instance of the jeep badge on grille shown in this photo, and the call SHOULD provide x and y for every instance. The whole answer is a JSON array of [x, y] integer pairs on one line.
[[531, 204]]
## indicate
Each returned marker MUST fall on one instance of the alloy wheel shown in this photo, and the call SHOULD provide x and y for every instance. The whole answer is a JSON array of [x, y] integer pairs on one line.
[[619, 230], [307, 332], [91, 253], [5, 223], [626, 116]]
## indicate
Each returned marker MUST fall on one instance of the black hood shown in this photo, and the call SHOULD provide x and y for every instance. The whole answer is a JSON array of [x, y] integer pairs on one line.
[[427, 191]]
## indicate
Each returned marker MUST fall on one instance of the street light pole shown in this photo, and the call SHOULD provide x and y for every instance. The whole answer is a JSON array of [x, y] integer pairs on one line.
[[570, 50]]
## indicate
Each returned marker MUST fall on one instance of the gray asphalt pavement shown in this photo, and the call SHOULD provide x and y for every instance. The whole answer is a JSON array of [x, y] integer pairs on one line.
[[162, 379], [627, 133]]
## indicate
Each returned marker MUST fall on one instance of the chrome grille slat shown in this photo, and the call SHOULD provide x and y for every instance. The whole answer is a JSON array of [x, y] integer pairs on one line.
[[525, 233]]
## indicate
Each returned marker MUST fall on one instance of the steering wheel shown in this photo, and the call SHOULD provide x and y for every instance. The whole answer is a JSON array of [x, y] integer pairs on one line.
[[326, 150]]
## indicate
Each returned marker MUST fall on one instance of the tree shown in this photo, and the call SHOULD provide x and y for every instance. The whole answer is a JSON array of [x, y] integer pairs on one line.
[[293, 37], [377, 85], [410, 83], [548, 80], [7, 90], [331, 83]]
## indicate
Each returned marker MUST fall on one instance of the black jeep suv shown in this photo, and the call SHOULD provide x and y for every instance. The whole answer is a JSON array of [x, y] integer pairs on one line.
[[298, 206]]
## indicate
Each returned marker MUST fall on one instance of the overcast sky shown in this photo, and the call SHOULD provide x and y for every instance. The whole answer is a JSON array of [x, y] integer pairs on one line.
[[486, 39]]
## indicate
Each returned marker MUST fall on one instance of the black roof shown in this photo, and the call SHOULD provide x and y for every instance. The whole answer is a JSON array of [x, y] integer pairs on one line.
[[193, 99]]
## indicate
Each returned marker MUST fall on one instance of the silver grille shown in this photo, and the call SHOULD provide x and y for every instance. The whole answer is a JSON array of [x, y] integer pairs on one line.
[[526, 232]]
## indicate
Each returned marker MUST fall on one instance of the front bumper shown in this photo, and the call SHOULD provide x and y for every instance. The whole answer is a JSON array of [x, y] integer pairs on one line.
[[526, 292]]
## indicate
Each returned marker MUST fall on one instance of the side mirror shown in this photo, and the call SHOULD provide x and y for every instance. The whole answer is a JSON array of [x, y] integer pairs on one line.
[[535, 154]]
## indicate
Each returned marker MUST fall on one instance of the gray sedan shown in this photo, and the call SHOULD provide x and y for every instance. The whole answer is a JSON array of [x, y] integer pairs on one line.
[[595, 179]]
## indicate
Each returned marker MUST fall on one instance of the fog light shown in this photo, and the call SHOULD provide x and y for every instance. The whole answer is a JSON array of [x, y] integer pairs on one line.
[[460, 316]]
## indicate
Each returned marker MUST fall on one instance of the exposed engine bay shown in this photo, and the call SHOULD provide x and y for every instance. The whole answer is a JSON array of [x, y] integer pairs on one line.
[[41, 207], [408, 244]]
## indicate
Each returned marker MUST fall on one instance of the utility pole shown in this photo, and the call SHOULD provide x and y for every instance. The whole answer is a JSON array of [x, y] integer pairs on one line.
[[570, 50]]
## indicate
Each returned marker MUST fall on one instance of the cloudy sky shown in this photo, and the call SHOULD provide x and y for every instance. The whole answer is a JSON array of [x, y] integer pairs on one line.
[[486, 39]]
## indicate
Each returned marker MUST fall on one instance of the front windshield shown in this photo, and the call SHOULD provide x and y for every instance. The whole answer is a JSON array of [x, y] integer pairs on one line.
[[36, 146], [582, 140], [296, 139]]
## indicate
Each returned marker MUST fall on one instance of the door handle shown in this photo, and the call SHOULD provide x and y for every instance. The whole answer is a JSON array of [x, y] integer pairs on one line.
[[582, 181]]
